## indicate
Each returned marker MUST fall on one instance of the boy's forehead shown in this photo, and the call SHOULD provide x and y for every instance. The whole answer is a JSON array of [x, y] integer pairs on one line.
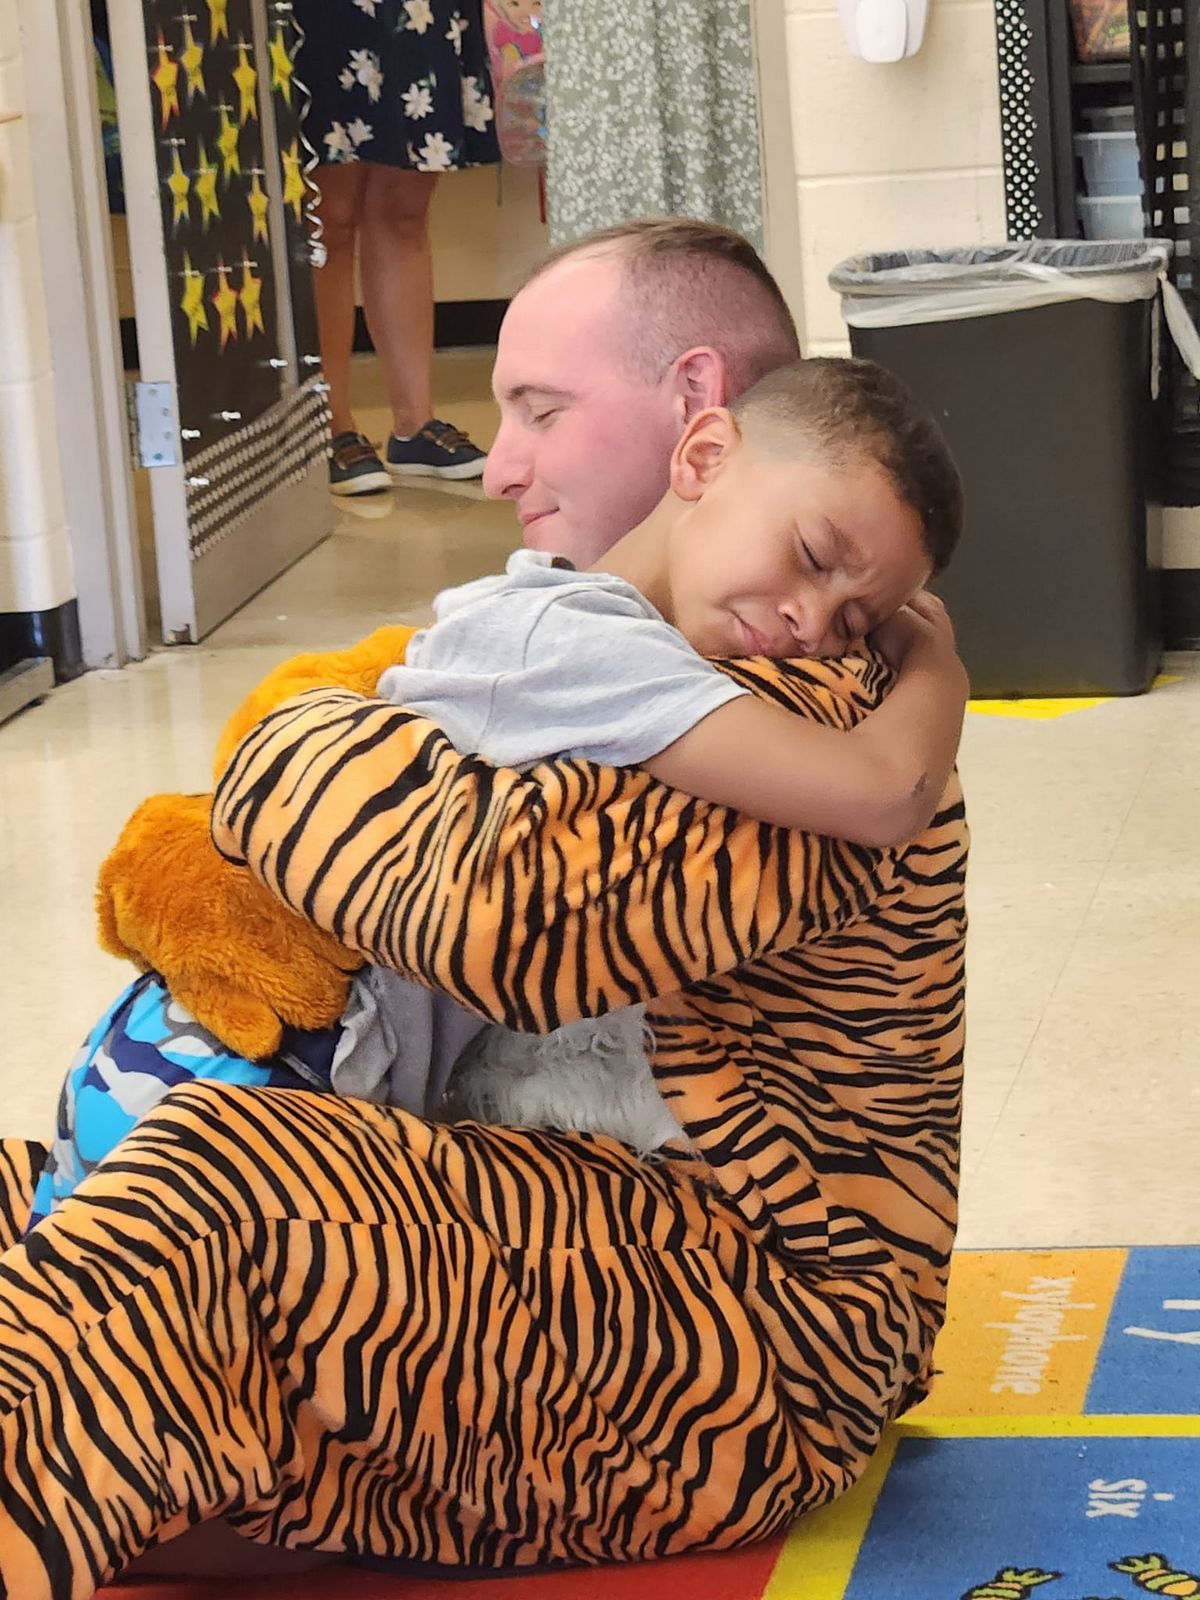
[[858, 516]]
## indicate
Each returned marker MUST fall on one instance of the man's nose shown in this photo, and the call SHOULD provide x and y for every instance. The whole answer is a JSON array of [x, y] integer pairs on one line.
[[507, 472]]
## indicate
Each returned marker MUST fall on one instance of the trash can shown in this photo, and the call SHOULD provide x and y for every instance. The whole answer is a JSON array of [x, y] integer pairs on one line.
[[1040, 363]]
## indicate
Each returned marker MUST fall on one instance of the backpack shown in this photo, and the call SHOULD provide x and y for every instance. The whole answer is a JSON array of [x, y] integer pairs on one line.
[[512, 29]]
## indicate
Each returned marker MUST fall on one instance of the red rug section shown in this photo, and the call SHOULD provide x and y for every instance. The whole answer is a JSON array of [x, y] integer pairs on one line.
[[730, 1575]]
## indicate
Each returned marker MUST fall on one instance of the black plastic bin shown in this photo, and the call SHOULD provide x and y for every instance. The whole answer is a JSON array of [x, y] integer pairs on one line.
[[1037, 360]]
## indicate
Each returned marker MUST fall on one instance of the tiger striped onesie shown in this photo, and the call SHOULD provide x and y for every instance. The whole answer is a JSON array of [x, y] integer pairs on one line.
[[344, 1328]]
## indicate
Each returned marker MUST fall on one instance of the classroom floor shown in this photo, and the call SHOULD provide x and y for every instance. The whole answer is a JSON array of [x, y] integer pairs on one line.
[[1083, 1100]]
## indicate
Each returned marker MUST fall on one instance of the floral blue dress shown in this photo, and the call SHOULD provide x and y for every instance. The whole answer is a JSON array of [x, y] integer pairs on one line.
[[401, 82]]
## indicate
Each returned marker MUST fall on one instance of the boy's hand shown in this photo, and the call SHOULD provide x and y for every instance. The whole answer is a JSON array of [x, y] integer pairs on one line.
[[923, 623]]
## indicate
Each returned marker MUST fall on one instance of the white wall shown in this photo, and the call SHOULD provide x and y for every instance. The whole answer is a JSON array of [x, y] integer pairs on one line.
[[35, 554], [891, 157], [486, 232], [1181, 536]]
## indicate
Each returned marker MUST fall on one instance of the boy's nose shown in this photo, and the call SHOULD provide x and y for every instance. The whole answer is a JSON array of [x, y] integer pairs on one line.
[[507, 473], [810, 618]]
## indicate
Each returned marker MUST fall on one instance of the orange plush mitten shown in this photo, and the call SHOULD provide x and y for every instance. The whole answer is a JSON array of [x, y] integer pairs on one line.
[[240, 961]]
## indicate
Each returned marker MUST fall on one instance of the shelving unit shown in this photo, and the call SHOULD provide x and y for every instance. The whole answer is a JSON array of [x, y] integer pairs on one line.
[[1166, 90], [1085, 74], [1044, 93]]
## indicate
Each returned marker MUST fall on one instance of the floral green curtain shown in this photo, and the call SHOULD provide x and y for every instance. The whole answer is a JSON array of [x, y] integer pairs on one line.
[[651, 111]]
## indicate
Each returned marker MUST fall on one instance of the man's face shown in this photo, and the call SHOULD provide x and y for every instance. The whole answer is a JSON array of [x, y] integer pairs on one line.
[[583, 448], [792, 557]]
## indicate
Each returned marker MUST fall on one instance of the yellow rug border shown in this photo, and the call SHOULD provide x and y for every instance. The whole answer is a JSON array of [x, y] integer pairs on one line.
[[1156, 1425]]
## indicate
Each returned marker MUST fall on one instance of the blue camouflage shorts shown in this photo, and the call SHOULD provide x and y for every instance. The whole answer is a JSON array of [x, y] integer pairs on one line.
[[143, 1046]]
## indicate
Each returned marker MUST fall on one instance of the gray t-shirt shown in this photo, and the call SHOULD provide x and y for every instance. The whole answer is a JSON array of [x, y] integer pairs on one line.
[[546, 661], [543, 661]]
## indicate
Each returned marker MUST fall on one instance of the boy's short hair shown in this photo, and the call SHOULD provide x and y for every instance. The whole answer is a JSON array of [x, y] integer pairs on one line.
[[684, 284], [850, 409]]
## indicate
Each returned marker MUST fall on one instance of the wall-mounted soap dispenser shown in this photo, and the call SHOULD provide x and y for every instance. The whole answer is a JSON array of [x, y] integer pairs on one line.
[[883, 30]]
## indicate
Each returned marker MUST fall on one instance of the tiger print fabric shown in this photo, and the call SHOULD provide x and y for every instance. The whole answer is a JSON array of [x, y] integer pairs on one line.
[[21, 1163], [348, 1329]]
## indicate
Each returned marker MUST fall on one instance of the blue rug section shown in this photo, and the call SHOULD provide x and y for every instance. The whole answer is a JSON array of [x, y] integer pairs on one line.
[[1011, 1518], [1149, 1363]]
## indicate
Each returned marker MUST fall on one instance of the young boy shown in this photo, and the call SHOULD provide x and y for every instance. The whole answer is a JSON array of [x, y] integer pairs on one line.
[[795, 524], [808, 516]]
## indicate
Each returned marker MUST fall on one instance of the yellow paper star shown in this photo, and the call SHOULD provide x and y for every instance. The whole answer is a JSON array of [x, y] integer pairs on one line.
[[258, 203], [294, 188], [246, 79], [281, 66], [226, 303], [250, 294], [192, 303], [206, 187], [180, 186], [192, 62], [165, 79], [218, 22], [227, 144]]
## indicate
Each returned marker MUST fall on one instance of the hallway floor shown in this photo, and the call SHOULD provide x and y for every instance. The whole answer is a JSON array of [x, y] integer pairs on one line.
[[1083, 1099]]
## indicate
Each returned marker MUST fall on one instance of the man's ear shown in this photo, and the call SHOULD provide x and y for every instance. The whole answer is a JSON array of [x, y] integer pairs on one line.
[[699, 378], [704, 449]]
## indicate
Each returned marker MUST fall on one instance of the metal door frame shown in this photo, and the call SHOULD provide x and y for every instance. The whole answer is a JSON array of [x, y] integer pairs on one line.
[[243, 480], [77, 269]]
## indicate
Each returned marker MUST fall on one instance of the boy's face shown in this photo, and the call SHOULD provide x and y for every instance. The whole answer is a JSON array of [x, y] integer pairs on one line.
[[780, 556]]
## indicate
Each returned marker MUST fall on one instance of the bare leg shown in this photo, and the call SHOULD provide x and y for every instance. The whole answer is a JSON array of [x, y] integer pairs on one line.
[[397, 281], [343, 186], [214, 1550]]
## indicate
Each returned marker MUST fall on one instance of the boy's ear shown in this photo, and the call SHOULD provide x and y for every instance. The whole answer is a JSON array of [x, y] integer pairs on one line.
[[704, 450]]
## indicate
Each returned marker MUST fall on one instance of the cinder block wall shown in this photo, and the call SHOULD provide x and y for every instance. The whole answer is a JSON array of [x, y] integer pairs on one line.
[[35, 556], [894, 156]]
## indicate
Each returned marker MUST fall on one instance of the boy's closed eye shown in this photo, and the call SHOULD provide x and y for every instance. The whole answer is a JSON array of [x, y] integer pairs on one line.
[[810, 556]]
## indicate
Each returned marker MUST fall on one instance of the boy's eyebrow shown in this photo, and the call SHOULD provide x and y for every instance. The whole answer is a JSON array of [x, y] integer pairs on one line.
[[842, 548]]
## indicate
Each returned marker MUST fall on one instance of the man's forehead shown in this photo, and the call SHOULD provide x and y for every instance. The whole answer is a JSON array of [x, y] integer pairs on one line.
[[570, 313]]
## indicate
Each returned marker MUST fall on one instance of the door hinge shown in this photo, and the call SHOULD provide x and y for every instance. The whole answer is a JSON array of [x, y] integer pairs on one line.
[[153, 425]]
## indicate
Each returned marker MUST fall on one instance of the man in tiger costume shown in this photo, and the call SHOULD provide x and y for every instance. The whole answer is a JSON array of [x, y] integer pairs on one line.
[[344, 1329]]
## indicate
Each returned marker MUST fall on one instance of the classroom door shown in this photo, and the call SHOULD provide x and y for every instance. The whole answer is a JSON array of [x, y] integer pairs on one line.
[[231, 416]]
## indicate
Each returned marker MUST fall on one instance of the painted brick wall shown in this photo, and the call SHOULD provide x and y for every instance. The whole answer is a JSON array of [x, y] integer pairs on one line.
[[35, 556], [895, 156]]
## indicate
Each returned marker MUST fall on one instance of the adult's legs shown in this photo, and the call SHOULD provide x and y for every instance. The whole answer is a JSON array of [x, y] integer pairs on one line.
[[397, 284], [343, 186], [347, 1330]]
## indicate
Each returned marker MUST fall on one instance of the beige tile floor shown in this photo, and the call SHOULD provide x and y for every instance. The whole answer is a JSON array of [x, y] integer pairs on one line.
[[1082, 1120]]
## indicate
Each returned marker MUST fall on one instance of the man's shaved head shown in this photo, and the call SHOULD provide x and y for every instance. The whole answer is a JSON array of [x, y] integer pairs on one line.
[[688, 285], [606, 352]]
